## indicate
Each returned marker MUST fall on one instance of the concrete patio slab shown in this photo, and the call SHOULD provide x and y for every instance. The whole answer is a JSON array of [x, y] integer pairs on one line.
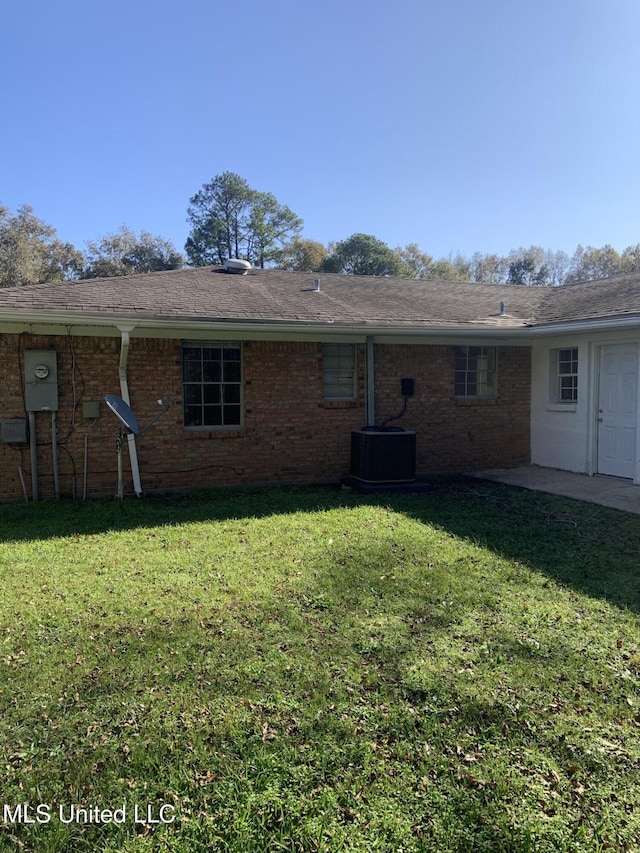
[[606, 491]]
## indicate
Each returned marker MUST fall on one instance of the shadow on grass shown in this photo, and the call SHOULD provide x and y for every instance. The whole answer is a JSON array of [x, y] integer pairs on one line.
[[592, 549], [272, 716], [50, 519], [257, 745]]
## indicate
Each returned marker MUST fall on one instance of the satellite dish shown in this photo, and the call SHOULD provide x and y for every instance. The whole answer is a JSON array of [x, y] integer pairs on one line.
[[123, 412], [129, 427]]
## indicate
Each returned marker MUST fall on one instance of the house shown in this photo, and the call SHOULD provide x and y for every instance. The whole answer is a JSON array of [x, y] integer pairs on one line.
[[273, 370]]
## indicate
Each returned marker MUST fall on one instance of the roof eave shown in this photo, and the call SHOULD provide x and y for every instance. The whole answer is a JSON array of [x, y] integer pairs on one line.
[[191, 325], [598, 324]]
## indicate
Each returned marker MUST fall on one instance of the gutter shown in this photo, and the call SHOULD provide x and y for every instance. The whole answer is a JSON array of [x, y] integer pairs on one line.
[[596, 325], [189, 325], [124, 393]]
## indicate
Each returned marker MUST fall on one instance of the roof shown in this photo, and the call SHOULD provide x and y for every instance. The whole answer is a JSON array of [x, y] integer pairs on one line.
[[210, 294], [588, 300]]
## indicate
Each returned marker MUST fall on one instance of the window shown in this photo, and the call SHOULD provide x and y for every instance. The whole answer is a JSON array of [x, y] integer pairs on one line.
[[339, 371], [475, 374], [212, 383], [565, 376]]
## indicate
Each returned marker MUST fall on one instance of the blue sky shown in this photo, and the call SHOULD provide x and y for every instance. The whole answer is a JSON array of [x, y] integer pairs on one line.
[[460, 125]]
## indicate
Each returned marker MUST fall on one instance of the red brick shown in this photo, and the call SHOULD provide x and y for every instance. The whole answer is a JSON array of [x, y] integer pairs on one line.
[[290, 434]]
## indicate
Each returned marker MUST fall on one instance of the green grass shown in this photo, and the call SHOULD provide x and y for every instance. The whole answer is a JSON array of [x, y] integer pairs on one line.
[[314, 670]]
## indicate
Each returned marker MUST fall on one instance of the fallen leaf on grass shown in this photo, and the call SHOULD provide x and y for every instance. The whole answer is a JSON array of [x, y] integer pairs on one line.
[[206, 778], [267, 733]]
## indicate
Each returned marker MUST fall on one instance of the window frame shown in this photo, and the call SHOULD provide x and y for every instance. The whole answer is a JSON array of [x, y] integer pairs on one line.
[[558, 385], [462, 374], [350, 369], [212, 391]]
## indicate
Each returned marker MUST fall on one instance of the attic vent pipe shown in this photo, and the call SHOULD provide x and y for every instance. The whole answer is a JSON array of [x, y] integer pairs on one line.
[[502, 309], [316, 285], [237, 266]]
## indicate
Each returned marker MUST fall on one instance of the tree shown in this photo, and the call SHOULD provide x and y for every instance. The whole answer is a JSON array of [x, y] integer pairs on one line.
[[526, 266], [488, 269], [30, 253], [418, 263], [123, 253], [557, 265], [230, 220], [218, 214], [270, 226], [301, 255], [363, 254], [630, 259], [590, 263], [451, 269]]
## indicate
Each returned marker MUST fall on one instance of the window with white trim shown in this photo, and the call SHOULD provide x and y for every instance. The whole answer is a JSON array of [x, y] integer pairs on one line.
[[339, 371], [212, 383], [565, 375], [475, 372]]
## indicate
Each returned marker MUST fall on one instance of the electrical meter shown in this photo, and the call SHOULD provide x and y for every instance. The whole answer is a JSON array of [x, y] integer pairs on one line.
[[41, 380]]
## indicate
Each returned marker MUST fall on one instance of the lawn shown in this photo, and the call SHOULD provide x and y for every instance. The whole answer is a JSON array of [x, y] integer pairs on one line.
[[314, 670]]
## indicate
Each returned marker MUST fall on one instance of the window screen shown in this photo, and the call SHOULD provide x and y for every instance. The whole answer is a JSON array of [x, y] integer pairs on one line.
[[475, 372], [339, 369]]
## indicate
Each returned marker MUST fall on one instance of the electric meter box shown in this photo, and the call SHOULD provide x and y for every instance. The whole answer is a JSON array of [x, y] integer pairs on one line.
[[41, 380]]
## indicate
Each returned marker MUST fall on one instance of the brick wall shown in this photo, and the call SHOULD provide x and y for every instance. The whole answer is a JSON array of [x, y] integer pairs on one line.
[[289, 435], [457, 434], [95, 373]]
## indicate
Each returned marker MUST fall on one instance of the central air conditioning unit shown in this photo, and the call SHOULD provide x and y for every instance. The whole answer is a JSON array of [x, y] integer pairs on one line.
[[383, 454]]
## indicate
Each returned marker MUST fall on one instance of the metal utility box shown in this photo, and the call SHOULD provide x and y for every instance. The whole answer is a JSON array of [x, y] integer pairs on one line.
[[13, 431], [41, 380], [91, 409], [383, 455]]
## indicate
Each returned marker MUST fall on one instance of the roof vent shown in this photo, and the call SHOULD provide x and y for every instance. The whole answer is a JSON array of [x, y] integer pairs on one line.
[[237, 266], [502, 309], [316, 285]]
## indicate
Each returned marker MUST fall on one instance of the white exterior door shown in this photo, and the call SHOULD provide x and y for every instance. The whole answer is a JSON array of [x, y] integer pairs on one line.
[[618, 410]]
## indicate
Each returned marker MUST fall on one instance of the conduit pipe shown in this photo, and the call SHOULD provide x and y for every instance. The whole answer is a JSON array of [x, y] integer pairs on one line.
[[24, 487], [86, 464], [124, 393], [34, 456], [371, 385], [54, 445]]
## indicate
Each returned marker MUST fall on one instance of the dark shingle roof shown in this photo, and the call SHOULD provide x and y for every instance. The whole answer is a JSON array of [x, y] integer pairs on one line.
[[590, 300], [210, 293], [275, 296]]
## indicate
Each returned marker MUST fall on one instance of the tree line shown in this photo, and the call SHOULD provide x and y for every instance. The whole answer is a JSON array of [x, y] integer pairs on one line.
[[31, 253], [228, 218]]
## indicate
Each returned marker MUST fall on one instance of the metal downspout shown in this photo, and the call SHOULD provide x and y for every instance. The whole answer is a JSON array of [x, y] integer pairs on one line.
[[371, 385], [124, 393]]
